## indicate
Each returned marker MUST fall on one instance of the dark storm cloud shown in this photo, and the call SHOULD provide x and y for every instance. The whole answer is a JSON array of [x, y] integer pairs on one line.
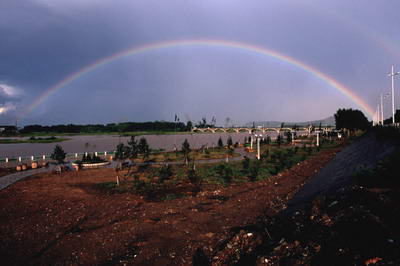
[[44, 41]]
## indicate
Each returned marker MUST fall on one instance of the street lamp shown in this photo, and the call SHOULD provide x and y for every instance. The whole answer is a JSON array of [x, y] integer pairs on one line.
[[382, 98], [392, 74], [317, 138], [258, 137]]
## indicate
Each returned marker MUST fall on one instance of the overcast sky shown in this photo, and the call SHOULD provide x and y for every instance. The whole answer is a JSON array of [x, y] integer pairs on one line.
[[44, 41]]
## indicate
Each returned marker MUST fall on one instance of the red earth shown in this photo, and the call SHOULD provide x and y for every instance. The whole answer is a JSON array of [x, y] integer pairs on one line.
[[64, 219]]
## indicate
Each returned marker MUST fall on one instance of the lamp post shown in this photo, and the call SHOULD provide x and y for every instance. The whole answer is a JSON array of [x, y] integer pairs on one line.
[[258, 137], [392, 74], [381, 109], [382, 98]]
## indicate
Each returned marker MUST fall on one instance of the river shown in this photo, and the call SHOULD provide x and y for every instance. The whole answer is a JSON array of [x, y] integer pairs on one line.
[[102, 143]]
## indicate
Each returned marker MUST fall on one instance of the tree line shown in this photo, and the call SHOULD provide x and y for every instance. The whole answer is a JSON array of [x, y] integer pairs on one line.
[[112, 127]]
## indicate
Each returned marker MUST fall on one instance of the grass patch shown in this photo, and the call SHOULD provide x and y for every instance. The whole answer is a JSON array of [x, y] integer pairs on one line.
[[33, 140]]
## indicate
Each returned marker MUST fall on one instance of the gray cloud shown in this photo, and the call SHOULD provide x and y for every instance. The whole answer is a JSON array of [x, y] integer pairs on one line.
[[44, 41]]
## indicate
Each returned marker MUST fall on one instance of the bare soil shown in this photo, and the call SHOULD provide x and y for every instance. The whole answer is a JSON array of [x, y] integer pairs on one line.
[[65, 219]]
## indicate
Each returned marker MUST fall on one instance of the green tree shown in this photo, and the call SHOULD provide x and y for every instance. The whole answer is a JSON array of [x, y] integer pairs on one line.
[[133, 148], [229, 141], [246, 164], [220, 143], [225, 172], [58, 154], [254, 170], [186, 150], [288, 136], [351, 119], [279, 140], [390, 120], [193, 177], [143, 148], [189, 125], [165, 173], [122, 152]]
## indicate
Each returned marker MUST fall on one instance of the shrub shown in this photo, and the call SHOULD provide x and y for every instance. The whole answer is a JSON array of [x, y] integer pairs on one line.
[[279, 140], [58, 154], [225, 172], [265, 154], [193, 177], [296, 149], [91, 159], [186, 150], [229, 142], [246, 163], [220, 143], [254, 170], [164, 173]]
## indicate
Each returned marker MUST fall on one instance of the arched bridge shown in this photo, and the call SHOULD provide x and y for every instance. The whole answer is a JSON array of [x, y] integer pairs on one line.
[[257, 129]]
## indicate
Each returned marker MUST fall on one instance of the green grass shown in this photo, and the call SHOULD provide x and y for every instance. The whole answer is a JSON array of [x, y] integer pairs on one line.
[[221, 173], [32, 140], [193, 155]]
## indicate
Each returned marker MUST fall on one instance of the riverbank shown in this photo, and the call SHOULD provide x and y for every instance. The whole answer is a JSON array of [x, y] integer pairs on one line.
[[51, 139], [97, 133]]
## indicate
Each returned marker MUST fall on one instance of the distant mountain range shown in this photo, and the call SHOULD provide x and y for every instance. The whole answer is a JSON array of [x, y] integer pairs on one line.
[[329, 121]]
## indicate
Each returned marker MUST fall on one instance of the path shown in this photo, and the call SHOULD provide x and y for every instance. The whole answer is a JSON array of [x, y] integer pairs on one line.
[[7, 180], [364, 153]]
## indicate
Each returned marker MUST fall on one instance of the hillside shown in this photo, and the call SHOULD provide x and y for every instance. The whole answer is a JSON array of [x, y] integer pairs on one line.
[[329, 121]]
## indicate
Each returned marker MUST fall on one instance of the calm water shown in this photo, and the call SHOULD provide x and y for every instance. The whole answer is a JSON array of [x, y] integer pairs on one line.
[[79, 144]]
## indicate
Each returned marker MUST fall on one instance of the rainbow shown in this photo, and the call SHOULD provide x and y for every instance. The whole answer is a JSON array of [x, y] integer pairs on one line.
[[200, 42]]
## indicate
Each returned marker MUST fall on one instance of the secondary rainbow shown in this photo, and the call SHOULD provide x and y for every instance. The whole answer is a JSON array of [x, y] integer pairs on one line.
[[200, 42]]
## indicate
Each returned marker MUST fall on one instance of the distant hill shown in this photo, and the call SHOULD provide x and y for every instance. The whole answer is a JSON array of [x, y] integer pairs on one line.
[[329, 121]]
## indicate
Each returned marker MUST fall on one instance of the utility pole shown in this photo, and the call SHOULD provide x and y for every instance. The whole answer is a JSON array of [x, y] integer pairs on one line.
[[381, 109], [379, 114], [392, 74]]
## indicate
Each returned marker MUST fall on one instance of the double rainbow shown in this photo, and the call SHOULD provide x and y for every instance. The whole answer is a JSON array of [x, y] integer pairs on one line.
[[207, 43]]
